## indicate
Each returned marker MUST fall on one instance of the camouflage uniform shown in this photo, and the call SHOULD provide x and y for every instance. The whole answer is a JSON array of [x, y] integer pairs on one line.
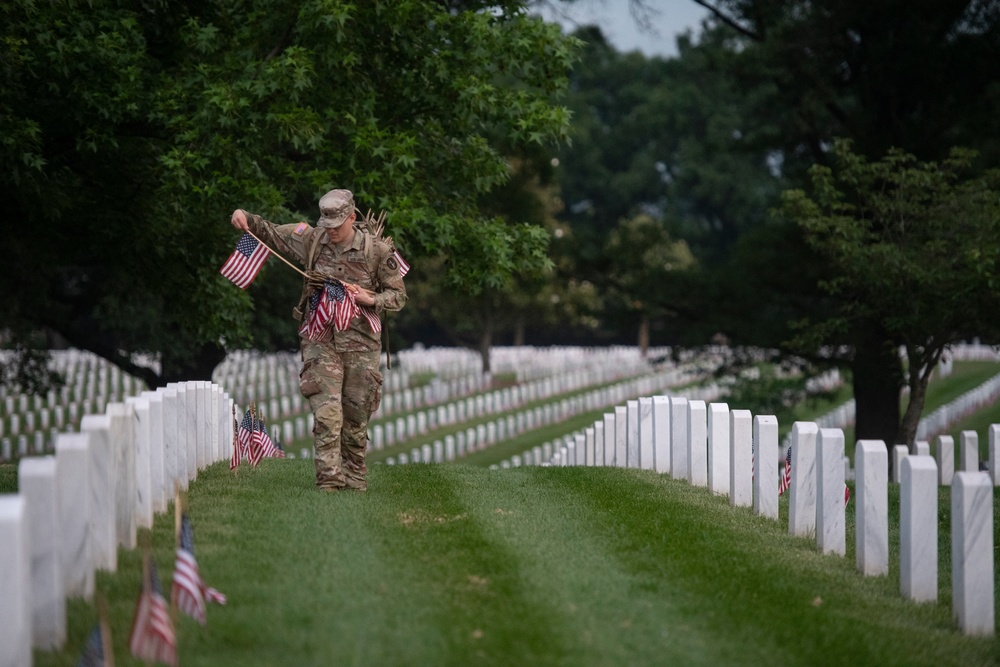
[[340, 374]]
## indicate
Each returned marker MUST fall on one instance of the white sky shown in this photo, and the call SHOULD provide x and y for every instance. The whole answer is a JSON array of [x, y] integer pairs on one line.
[[670, 17]]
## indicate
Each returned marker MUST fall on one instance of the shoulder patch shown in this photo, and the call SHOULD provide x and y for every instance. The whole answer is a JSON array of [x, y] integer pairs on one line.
[[391, 263], [300, 228]]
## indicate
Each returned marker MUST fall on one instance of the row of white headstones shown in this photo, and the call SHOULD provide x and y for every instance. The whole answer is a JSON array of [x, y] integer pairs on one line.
[[736, 454], [75, 508], [28, 424]]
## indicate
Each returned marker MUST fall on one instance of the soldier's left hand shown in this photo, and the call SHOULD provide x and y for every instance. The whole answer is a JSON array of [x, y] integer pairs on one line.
[[361, 295]]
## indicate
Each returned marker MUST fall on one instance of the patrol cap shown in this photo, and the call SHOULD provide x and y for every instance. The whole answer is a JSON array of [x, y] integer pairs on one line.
[[335, 207]]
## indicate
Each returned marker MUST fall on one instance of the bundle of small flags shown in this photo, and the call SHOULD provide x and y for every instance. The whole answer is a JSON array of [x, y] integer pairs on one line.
[[251, 441], [331, 305]]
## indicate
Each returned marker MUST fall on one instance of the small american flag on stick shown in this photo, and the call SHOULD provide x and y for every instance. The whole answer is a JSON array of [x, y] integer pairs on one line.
[[246, 261], [786, 475], [152, 638], [189, 591]]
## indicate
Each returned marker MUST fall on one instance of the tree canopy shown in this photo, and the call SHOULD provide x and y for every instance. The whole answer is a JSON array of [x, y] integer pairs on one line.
[[133, 129], [913, 249]]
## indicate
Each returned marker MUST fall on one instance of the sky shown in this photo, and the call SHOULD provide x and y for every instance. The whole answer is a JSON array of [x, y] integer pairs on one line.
[[670, 17]]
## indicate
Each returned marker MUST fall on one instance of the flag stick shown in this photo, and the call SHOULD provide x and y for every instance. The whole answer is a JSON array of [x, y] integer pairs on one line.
[[102, 619], [178, 513], [236, 443], [303, 273]]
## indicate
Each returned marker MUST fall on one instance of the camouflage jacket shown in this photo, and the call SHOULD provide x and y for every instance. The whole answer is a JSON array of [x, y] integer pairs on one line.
[[368, 262]]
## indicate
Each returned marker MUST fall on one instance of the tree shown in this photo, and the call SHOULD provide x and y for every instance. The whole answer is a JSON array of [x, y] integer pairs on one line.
[[133, 129], [913, 247], [644, 260]]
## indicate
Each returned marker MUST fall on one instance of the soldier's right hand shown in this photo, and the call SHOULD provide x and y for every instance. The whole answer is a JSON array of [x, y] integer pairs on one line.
[[239, 220]]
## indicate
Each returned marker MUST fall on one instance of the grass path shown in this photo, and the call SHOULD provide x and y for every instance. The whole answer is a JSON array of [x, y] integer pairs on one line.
[[459, 565]]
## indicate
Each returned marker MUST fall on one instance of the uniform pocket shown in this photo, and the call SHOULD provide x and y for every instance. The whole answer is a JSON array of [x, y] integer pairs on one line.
[[309, 383], [374, 390]]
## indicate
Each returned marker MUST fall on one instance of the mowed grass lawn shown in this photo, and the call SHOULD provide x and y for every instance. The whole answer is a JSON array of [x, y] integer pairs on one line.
[[462, 565]]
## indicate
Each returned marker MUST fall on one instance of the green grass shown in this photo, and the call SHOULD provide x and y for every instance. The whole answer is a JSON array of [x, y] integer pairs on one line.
[[456, 565]]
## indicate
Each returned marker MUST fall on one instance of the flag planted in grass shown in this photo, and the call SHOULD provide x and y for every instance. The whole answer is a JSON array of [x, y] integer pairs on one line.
[[93, 649], [785, 482], [261, 446], [246, 261], [786, 475], [152, 638], [189, 591]]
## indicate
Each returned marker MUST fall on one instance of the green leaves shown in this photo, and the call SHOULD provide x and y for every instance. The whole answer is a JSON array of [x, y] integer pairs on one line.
[[910, 245], [133, 131]]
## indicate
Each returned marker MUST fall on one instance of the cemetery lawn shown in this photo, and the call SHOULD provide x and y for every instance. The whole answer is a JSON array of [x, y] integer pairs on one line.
[[462, 565]]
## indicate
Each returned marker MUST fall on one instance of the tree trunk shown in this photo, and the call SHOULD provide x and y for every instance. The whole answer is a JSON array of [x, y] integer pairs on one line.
[[644, 336], [519, 326], [911, 418], [877, 371], [920, 369], [486, 343]]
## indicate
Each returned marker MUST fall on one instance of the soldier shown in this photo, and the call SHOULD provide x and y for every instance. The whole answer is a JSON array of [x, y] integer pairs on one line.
[[340, 373]]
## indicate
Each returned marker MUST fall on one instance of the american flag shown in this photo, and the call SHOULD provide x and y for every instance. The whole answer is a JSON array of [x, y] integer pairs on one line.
[[245, 436], [189, 592], [404, 268], [261, 446], [152, 638], [245, 262], [93, 650], [330, 305], [374, 321], [235, 459], [786, 476]]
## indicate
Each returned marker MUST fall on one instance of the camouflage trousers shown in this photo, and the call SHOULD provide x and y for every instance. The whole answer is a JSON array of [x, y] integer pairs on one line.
[[344, 389]]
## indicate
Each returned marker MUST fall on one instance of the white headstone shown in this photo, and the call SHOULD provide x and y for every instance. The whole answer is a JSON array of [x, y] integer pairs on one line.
[[740, 458], [171, 438], [632, 434], [945, 454], [191, 422], [123, 455], [968, 453], [158, 495], [871, 464], [972, 555], [598, 442], [697, 443], [15, 578], [678, 437], [73, 471], [830, 521], [103, 524], [802, 491], [647, 449], [37, 484], [918, 529], [718, 448], [765, 476], [142, 437], [899, 452], [994, 454], [661, 433], [609, 438], [621, 435]]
